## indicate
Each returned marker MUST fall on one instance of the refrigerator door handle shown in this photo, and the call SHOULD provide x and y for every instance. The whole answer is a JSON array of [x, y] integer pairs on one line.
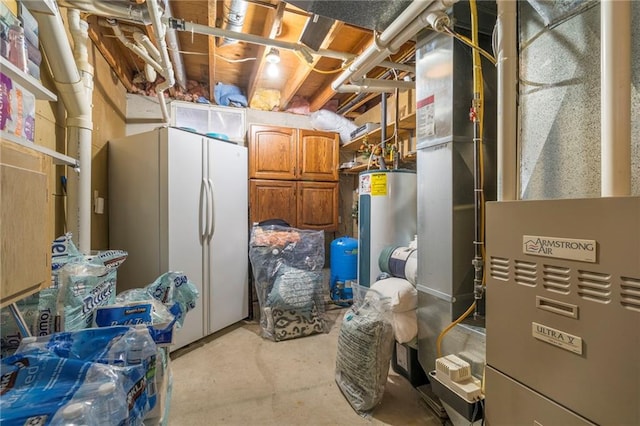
[[209, 208], [203, 205], [212, 212]]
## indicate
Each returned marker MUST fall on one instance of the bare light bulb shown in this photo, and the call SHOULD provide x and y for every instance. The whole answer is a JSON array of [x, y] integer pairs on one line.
[[273, 71]]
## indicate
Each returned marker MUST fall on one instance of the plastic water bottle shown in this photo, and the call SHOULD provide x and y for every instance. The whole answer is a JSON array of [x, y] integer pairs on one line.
[[74, 414], [109, 408], [140, 345]]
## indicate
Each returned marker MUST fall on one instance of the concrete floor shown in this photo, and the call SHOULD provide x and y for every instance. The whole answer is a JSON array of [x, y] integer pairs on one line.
[[238, 378]]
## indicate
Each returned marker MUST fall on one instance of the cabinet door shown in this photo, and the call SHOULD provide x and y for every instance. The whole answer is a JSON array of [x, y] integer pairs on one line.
[[272, 152], [273, 199], [25, 249], [318, 205], [318, 155]]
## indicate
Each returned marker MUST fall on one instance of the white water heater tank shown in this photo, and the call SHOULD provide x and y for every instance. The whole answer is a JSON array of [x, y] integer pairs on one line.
[[387, 211]]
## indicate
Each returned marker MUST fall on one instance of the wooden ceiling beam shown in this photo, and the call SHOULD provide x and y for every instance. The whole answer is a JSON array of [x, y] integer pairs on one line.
[[326, 93], [296, 81], [211, 21], [270, 31]]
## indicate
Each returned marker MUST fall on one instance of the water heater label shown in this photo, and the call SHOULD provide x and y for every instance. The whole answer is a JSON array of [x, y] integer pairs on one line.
[[558, 338], [379, 184], [561, 248]]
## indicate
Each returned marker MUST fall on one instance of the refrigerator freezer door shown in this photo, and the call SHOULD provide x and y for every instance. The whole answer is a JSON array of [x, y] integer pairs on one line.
[[183, 203], [229, 298]]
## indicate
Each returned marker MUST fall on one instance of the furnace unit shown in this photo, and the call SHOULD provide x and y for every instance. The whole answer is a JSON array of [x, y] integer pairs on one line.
[[563, 311]]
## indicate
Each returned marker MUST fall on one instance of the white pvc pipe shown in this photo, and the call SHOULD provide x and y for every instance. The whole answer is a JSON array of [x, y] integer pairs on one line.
[[113, 9], [71, 90], [615, 104], [374, 85], [192, 27], [406, 17], [142, 38], [174, 50], [141, 51], [507, 63], [349, 56], [159, 29], [402, 29]]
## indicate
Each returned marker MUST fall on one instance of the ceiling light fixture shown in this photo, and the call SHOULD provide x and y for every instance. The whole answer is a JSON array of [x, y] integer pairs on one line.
[[273, 57]]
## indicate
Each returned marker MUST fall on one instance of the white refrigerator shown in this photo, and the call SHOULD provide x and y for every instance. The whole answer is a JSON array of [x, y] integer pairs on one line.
[[178, 202]]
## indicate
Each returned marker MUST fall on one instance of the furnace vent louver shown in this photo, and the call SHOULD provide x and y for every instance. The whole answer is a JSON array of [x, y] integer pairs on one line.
[[525, 273], [630, 293], [499, 267], [556, 279], [594, 286]]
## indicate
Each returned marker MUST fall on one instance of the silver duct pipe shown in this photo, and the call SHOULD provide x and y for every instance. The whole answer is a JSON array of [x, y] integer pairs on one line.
[[74, 90], [507, 67], [123, 10], [234, 13]]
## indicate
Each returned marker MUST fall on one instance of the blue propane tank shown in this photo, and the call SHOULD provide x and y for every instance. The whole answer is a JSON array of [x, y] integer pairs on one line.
[[344, 267]]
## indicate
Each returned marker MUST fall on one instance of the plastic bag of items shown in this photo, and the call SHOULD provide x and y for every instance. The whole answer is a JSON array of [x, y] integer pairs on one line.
[[79, 284], [160, 305], [365, 346], [287, 267], [403, 302], [82, 377], [332, 122]]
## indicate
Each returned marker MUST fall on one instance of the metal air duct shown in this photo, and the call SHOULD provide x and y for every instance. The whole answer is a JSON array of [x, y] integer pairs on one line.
[[234, 13]]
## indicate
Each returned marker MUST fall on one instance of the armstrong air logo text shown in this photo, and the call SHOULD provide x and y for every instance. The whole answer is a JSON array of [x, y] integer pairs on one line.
[[562, 248]]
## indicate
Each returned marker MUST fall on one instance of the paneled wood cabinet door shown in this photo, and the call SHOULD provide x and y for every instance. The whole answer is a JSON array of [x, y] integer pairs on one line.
[[317, 205], [25, 249], [272, 199], [318, 155], [272, 152]]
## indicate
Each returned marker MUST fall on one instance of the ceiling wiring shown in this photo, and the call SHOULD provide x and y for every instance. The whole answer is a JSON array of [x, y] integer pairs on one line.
[[304, 61], [469, 43]]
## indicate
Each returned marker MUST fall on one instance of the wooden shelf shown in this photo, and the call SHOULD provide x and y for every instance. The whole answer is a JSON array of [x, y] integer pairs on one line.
[[355, 169], [406, 124], [25, 80], [57, 157], [407, 159]]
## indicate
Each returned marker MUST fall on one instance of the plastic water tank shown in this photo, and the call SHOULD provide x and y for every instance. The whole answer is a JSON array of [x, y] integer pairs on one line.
[[344, 267]]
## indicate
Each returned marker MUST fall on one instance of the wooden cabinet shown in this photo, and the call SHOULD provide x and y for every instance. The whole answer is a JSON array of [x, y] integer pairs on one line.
[[302, 204], [25, 251], [317, 206], [318, 155], [272, 199], [294, 176], [292, 154], [273, 152]]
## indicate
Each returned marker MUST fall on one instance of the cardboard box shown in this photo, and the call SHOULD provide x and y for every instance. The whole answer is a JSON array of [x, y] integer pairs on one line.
[[17, 109]]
